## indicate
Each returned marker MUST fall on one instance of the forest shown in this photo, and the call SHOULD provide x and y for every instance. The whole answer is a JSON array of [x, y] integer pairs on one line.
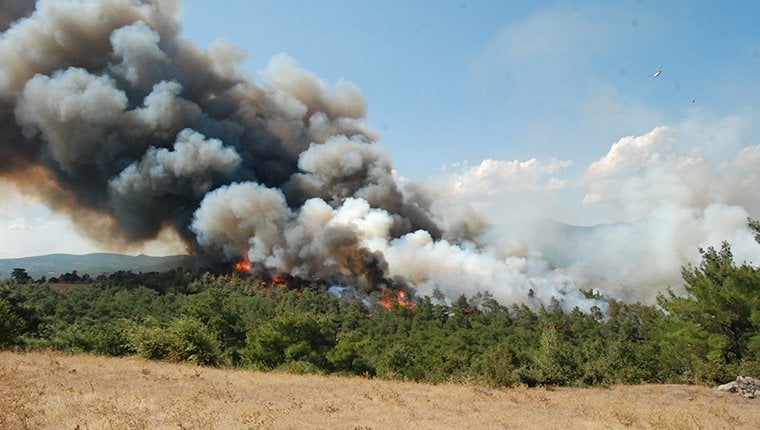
[[708, 335]]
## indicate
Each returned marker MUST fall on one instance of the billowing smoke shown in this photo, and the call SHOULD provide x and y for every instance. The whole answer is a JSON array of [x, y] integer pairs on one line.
[[646, 207], [108, 116]]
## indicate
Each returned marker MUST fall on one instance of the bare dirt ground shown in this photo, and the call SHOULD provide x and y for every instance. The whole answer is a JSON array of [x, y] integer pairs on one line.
[[50, 390]]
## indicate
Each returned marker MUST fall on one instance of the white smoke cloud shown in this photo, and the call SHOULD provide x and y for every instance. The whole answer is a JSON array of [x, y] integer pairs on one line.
[[60, 30], [164, 111], [662, 203], [142, 60], [241, 218], [326, 242], [72, 110], [344, 167], [457, 269], [342, 100], [194, 160]]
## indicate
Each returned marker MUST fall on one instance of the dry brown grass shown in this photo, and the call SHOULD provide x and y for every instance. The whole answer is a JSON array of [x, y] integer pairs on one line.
[[49, 390]]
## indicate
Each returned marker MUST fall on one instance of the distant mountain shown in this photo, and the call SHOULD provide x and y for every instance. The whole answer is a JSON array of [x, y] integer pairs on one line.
[[54, 265]]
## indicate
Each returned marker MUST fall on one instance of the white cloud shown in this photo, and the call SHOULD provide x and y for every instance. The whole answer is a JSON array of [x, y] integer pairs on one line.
[[28, 228], [491, 177], [19, 224]]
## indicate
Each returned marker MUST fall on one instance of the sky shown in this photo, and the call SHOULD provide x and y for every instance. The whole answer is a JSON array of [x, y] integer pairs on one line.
[[526, 110], [454, 81]]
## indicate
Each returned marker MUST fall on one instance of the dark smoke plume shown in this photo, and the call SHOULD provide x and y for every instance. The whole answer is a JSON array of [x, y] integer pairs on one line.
[[107, 115], [11, 10]]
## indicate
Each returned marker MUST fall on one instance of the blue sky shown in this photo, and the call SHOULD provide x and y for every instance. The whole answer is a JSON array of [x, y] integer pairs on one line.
[[454, 81], [545, 109]]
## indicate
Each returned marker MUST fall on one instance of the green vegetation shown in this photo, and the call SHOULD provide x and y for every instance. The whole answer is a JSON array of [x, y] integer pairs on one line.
[[710, 334]]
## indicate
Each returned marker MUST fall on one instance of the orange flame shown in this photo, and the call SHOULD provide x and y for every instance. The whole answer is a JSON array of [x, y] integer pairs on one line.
[[244, 265], [280, 282], [397, 297]]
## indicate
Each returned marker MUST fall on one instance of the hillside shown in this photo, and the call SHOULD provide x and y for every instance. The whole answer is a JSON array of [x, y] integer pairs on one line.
[[93, 264], [49, 390]]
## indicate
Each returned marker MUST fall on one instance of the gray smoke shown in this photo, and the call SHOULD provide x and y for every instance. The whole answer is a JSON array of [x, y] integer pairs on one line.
[[108, 116], [11, 10]]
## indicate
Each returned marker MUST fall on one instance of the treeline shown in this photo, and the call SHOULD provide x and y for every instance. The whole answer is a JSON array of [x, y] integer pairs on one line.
[[710, 335]]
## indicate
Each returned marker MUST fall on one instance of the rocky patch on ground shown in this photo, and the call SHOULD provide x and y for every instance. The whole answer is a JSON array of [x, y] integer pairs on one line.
[[746, 386]]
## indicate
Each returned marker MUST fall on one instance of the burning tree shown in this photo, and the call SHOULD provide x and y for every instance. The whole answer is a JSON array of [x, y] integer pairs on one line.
[[161, 138]]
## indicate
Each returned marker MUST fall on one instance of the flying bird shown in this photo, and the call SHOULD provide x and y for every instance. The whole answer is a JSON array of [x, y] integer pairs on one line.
[[657, 73]]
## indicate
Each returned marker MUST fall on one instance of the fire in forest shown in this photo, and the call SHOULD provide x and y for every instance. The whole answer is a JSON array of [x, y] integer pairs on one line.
[[394, 297], [106, 114], [244, 265]]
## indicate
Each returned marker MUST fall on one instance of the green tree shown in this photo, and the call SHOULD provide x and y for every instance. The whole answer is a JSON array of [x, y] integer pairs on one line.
[[296, 336], [150, 340], [348, 356], [183, 339], [11, 325], [557, 359], [629, 334], [721, 310], [19, 275], [190, 340], [400, 360]]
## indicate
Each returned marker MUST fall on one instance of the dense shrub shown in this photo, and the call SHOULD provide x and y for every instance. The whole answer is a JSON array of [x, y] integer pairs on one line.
[[183, 339], [11, 325], [296, 336]]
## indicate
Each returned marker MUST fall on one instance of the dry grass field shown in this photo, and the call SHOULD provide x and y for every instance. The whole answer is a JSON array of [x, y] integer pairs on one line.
[[50, 390]]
